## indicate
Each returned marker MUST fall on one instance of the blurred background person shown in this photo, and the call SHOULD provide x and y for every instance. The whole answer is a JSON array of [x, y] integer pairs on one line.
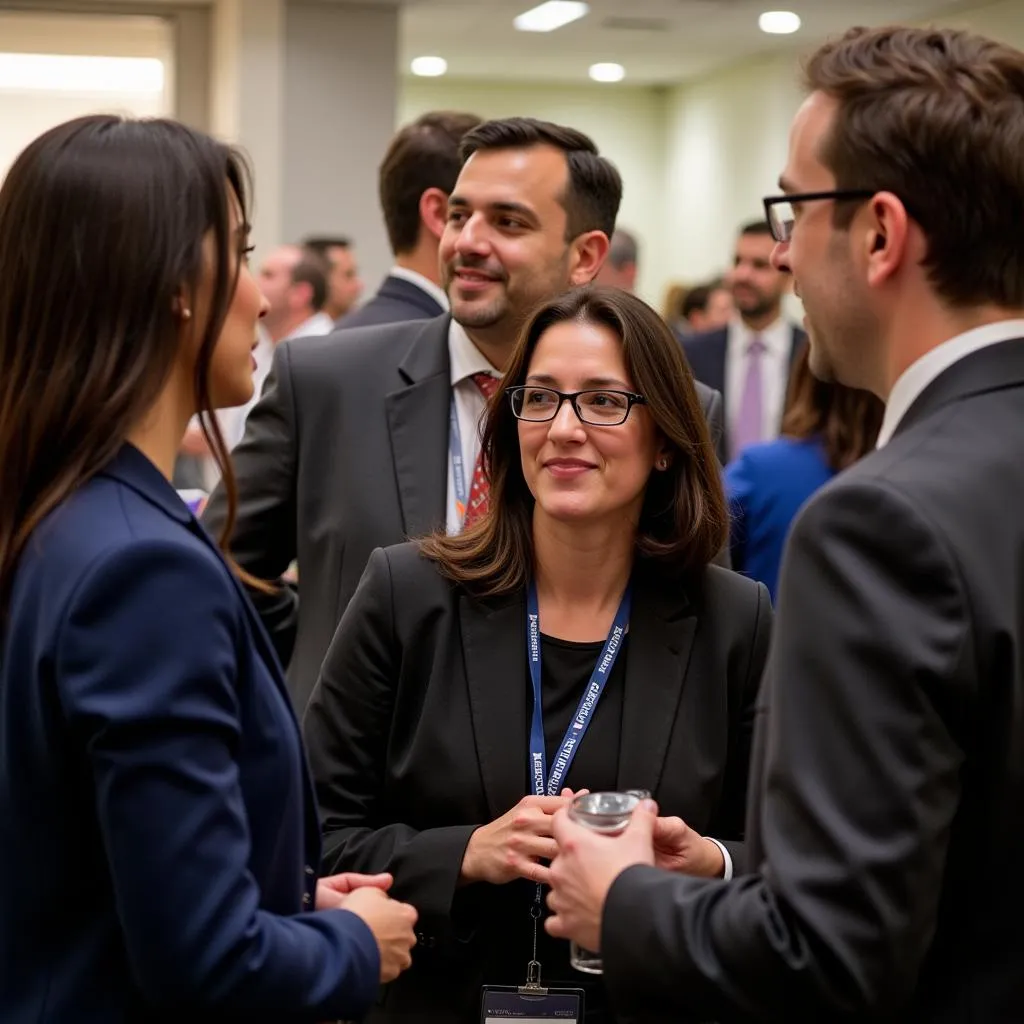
[[827, 428], [750, 360], [144, 716], [708, 307], [620, 269], [294, 280], [344, 285], [606, 511], [416, 177]]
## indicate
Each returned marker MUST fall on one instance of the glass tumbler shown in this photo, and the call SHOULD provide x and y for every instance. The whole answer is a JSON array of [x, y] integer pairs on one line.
[[609, 814]]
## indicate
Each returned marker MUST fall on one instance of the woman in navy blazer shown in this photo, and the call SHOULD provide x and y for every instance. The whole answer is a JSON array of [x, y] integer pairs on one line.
[[826, 428], [158, 831]]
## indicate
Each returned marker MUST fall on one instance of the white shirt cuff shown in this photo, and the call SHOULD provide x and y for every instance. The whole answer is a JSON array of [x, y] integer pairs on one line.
[[727, 873]]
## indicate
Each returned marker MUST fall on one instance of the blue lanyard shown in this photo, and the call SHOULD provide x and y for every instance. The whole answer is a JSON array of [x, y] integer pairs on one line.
[[584, 710], [458, 462]]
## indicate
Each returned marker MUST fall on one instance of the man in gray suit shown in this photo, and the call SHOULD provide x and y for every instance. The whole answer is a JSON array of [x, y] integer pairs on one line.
[[885, 829], [350, 447]]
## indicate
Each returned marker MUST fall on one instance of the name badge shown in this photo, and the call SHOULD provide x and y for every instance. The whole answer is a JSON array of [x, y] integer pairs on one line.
[[531, 1007]]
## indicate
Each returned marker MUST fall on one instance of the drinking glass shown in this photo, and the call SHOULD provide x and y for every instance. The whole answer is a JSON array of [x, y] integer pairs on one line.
[[609, 814]]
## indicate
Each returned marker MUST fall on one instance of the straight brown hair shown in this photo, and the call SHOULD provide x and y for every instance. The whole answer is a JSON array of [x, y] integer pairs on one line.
[[683, 522], [847, 420], [935, 116], [102, 223]]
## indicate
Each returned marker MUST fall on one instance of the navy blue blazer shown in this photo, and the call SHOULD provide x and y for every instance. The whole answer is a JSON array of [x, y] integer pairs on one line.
[[157, 824], [396, 300]]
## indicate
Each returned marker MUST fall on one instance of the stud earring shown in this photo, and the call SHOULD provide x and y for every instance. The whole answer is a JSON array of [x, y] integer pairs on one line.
[[186, 314], [662, 463]]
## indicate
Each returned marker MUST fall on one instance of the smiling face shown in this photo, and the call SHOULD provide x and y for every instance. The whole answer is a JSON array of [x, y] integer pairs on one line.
[[576, 471], [504, 248]]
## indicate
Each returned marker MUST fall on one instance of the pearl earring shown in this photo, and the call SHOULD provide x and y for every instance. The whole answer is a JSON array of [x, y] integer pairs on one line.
[[186, 314], [662, 463]]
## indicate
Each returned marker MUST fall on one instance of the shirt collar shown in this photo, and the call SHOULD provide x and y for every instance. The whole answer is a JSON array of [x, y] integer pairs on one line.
[[916, 377], [776, 337], [421, 282], [465, 358]]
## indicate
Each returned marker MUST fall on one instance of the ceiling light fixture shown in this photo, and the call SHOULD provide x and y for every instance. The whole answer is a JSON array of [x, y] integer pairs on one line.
[[429, 67], [607, 72], [56, 72], [551, 15], [779, 23]]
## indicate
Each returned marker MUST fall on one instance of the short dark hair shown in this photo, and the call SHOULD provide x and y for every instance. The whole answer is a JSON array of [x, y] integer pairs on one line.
[[624, 249], [314, 270], [421, 156], [935, 116], [696, 299], [846, 420], [756, 227], [683, 522], [323, 244], [594, 192]]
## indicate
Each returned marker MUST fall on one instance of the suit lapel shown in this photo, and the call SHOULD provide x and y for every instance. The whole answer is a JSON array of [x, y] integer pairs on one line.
[[661, 631], [493, 643], [418, 425]]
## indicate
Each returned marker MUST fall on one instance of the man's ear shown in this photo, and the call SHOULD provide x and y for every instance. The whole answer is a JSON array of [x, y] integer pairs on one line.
[[434, 211], [588, 254]]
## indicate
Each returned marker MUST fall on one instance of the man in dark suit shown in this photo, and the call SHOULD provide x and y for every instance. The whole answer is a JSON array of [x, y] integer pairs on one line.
[[749, 361], [416, 177], [885, 830], [349, 448]]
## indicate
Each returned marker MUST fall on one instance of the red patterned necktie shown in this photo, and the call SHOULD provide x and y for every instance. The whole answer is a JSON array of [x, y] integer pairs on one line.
[[478, 491]]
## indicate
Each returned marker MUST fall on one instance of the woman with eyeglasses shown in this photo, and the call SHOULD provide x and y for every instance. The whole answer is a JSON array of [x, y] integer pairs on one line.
[[577, 637]]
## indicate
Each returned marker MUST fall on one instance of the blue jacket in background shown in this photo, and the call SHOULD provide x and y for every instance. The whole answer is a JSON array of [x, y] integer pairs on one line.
[[158, 832], [766, 485]]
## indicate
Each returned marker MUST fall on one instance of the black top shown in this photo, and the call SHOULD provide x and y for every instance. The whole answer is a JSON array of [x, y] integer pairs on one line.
[[566, 668]]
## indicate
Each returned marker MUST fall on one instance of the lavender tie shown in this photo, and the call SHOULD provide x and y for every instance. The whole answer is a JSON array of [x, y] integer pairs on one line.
[[749, 422]]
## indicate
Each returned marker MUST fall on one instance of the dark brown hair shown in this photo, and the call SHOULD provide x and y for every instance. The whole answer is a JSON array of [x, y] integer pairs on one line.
[[594, 191], [935, 116], [421, 156], [312, 269], [102, 223], [683, 522], [847, 420]]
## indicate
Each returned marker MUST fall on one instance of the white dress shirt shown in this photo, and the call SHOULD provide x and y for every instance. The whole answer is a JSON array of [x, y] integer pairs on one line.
[[423, 283], [916, 377], [466, 359], [775, 362]]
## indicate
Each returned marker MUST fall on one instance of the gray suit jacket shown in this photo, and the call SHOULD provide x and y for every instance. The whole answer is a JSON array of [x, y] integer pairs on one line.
[[346, 451], [886, 817]]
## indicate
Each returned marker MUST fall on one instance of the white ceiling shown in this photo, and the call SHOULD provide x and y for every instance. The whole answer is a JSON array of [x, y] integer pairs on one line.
[[658, 41]]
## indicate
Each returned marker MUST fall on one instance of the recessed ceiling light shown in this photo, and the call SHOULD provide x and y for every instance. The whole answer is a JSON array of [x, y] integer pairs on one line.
[[429, 67], [607, 72], [51, 72], [779, 23], [547, 17]]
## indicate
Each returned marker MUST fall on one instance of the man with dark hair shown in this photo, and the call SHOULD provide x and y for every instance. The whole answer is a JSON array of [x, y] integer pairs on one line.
[[417, 175], [294, 280], [706, 307], [344, 285], [351, 447], [750, 359], [620, 269], [885, 829]]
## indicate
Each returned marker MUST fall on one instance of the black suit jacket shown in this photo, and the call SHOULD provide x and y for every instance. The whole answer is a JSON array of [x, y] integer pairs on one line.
[[396, 300], [705, 353], [418, 731], [346, 451], [887, 794]]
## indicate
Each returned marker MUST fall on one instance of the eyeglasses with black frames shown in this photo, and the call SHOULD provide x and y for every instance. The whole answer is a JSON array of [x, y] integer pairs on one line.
[[604, 408], [778, 210]]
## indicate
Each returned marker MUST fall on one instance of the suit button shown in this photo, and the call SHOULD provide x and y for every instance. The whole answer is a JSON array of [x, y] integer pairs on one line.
[[310, 871], [306, 899]]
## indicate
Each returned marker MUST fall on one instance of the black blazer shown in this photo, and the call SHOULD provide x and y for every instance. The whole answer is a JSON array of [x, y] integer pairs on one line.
[[705, 353], [887, 794], [346, 451], [417, 734], [396, 300]]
